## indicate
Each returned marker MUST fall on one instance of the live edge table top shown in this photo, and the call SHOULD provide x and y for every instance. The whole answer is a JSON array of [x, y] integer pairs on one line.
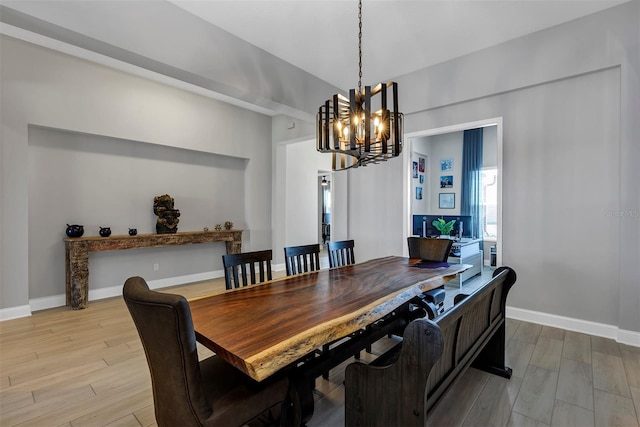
[[263, 328]]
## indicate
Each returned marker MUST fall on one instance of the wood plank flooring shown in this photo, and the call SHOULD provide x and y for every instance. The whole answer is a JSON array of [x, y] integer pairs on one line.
[[61, 367]]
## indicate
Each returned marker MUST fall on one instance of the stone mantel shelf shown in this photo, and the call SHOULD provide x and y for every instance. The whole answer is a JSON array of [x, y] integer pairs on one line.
[[77, 251]]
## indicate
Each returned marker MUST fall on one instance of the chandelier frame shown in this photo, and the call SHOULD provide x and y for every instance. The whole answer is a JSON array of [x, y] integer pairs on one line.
[[352, 131]]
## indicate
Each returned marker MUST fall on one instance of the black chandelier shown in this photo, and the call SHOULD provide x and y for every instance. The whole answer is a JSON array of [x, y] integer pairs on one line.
[[364, 128]]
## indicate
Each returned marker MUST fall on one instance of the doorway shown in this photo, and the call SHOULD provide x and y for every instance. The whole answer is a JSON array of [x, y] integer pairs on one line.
[[434, 189], [325, 205]]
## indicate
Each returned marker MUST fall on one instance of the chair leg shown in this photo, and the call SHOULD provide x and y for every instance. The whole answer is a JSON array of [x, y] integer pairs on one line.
[[325, 349]]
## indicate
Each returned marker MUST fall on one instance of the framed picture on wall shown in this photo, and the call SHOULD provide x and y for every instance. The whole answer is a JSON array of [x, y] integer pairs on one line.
[[421, 179], [418, 193], [415, 169], [421, 164], [447, 200], [446, 164], [446, 181]]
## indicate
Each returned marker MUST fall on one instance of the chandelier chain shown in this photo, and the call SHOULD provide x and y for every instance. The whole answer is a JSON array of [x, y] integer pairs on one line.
[[360, 46]]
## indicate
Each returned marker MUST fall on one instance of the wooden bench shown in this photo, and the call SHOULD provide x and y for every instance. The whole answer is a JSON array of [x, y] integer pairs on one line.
[[402, 386]]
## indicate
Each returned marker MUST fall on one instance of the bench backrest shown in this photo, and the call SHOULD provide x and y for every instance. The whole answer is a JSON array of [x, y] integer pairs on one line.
[[391, 390], [467, 327]]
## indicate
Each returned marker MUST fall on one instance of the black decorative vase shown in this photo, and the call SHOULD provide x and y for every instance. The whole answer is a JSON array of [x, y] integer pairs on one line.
[[105, 231], [75, 230], [133, 231]]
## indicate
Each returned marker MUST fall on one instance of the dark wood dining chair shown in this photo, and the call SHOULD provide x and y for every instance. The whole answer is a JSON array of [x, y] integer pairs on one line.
[[429, 249], [436, 250], [187, 392], [302, 259], [236, 265], [341, 253]]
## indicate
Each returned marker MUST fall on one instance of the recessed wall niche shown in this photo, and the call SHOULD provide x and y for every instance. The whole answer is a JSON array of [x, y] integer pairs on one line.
[[98, 181]]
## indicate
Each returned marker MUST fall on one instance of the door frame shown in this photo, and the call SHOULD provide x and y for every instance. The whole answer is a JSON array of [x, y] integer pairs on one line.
[[406, 155]]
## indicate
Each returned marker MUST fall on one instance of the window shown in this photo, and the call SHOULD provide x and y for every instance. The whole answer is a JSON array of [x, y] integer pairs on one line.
[[489, 200]]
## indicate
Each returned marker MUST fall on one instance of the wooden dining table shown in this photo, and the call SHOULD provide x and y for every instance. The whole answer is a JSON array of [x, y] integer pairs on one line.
[[263, 328]]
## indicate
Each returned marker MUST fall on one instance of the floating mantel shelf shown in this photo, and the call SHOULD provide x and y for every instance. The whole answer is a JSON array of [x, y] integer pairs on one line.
[[77, 253]]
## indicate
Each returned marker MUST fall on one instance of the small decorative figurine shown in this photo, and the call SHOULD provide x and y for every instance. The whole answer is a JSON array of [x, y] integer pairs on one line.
[[168, 217], [133, 231], [218, 227], [105, 231], [206, 229], [75, 230], [228, 225]]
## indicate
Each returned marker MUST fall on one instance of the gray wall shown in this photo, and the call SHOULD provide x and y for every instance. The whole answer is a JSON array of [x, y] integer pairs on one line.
[[448, 145], [98, 182], [302, 211], [42, 88], [569, 97]]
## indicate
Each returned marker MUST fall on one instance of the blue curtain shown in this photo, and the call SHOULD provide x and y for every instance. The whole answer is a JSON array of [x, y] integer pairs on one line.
[[472, 180]]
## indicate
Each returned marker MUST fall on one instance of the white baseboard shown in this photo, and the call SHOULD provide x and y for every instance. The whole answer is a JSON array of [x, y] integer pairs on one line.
[[44, 303], [629, 337], [577, 325], [14, 312], [181, 280], [113, 291]]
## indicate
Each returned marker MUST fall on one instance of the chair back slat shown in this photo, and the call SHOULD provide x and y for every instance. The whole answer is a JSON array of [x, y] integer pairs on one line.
[[235, 268], [341, 253], [302, 259]]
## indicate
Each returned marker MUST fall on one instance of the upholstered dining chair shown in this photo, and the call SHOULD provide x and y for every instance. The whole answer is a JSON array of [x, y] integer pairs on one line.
[[436, 250], [187, 392], [341, 253], [302, 259], [236, 265]]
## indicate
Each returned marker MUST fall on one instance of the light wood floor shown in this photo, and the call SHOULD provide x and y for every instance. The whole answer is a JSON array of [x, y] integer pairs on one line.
[[87, 368]]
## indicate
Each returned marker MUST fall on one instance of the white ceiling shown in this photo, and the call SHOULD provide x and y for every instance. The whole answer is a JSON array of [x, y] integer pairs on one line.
[[399, 36], [245, 52]]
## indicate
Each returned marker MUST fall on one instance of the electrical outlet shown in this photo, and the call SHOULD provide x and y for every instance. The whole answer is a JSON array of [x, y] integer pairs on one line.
[[156, 267]]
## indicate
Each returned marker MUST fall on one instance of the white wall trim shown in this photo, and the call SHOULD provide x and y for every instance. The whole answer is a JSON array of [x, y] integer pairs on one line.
[[14, 312], [37, 304], [113, 291], [44, 303], [180, 280], [577, 325]]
